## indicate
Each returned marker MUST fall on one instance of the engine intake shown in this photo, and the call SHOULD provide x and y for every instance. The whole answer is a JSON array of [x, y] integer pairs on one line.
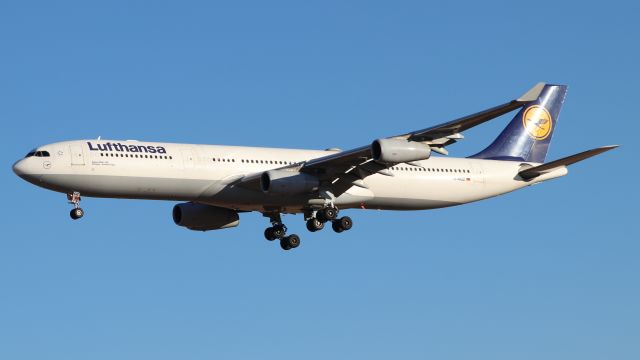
[[287, 182], [204, 217], [399, 151]]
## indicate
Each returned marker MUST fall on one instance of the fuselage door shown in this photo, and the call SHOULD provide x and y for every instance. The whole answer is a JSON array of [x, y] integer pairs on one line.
[[77, 155]]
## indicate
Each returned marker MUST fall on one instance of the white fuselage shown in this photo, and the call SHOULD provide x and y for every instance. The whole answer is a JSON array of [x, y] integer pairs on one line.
[[209, 174]]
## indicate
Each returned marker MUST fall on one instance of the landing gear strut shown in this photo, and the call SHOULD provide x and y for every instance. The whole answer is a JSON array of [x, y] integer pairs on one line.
[[74, 199], [278, 231]]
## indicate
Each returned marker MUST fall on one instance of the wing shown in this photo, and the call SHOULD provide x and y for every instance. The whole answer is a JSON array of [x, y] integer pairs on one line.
[[345, 169]]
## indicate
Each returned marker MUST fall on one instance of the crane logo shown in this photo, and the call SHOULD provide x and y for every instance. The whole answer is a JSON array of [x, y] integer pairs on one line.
[[537, 121]]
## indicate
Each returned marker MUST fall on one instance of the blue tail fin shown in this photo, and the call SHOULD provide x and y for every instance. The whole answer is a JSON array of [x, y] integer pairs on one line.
[[528, 135]]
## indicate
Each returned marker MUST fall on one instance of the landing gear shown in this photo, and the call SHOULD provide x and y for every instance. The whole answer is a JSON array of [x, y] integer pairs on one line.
[[278, 231], [275, 232], [327, 214], [74, 199], [314, 225], [76, 213], [290, 242], [316, 220], [343, 224]]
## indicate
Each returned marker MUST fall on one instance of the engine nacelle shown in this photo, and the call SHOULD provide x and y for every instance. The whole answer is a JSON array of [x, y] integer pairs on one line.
[[204, 217], [287, 182], [399, 151]]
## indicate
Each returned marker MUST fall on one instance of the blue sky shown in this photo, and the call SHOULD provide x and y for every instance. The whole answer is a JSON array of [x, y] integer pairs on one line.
[[548, 272]]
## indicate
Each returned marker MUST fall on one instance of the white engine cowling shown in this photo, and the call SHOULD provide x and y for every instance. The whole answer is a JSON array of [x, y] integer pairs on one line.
[[399, 151], [287, 182], [204, 217]]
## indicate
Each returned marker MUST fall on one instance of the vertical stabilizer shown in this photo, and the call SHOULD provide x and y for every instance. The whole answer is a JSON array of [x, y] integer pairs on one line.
[[528, 135]]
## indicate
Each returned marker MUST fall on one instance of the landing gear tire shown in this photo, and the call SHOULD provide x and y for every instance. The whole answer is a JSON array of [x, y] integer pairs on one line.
[[76, 213], [279, 231], [335, 225], [290, 242], [329, 213], [268, 234], [343, 224], [346, 223], [314, 225]]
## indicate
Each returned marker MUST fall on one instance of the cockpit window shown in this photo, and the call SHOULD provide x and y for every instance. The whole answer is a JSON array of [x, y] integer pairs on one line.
[[38, 153]]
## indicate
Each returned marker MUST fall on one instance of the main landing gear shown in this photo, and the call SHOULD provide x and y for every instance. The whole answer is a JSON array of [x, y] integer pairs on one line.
[[74, 199], [278, 231], [316, 220]]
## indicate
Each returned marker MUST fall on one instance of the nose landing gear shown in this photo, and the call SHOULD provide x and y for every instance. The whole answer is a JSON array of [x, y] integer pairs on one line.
[[74, 199]]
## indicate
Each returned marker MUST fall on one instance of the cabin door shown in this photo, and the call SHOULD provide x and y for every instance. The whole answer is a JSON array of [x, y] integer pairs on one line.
[[77, 155]]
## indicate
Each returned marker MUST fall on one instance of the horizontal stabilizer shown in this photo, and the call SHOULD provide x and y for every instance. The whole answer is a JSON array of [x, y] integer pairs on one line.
[[535, 171]]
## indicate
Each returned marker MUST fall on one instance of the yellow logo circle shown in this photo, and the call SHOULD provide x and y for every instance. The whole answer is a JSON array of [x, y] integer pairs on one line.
[[537, 121]]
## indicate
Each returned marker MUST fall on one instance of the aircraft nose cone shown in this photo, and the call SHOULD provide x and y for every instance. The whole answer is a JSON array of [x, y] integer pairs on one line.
[[19, 168]]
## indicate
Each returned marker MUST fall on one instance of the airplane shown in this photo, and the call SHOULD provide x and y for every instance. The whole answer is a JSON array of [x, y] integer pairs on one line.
[[215, 183]]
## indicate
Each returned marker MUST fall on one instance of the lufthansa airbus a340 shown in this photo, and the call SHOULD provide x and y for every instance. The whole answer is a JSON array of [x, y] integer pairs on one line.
[[215, 183]]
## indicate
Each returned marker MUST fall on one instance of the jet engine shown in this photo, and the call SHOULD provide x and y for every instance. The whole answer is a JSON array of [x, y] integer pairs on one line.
[[399, 151], [204, 217], [287, 182]]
